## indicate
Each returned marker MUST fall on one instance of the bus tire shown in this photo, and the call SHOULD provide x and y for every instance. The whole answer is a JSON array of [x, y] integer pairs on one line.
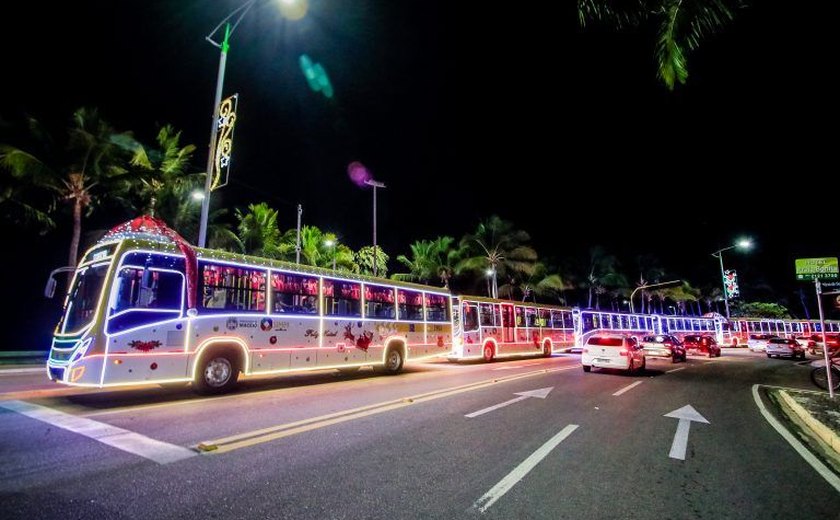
[[587, 368], [547, 350], [489, 353], [394, 360], [217, 372]]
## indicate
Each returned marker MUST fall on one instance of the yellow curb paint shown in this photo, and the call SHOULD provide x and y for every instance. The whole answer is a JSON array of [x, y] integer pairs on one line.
[[822, 431], [271, 433]]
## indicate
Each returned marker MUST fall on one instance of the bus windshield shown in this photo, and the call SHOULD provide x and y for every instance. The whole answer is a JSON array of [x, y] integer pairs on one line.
[[84, 295]]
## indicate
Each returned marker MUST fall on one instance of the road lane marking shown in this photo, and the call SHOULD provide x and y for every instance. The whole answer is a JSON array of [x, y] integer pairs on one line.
[[686, 414], [803, 452], [628, 387], [674, 370], [518, 473], [271, 433], [542, 393], [30, 370], [512, 367], [125, 440]]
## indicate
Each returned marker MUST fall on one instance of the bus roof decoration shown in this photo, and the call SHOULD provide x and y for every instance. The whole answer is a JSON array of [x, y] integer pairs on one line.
[[146, 227]]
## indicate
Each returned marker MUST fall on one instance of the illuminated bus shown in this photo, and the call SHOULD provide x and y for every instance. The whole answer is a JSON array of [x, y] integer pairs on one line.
[[492, 329], [144, 307], [740, 329], [590, 321]]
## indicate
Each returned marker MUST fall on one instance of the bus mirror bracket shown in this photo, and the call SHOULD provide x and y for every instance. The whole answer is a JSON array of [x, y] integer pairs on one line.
[[192, 313], [49, 290]]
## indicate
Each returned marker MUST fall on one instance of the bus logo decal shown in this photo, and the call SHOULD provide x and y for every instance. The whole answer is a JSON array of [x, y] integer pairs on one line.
[[266, 324], [231, 324], [144, 346]]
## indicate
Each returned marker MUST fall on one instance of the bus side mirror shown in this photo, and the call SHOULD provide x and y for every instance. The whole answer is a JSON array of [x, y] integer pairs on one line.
[[49, 290]]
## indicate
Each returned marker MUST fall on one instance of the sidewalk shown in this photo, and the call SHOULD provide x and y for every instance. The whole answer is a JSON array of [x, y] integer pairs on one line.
[[815, 418]]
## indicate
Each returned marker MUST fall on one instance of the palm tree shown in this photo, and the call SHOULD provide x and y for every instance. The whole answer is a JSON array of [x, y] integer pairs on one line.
[[429, 259], [541, 284], [364, 259], [681, 25], [91, 167], [166, 187], [497, 248], [603, 276], [258, 231]]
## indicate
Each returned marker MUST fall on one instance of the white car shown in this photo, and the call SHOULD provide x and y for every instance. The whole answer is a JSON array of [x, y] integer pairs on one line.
[[612, 351], [758, 342]]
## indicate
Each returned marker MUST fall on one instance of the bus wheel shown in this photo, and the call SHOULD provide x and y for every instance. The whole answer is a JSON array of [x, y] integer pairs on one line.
[[393, 361], [547, 349], [217, 373], [488, 353]]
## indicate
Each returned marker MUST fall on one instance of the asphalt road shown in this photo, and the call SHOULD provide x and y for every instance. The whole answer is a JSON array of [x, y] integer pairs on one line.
[[321, 445]]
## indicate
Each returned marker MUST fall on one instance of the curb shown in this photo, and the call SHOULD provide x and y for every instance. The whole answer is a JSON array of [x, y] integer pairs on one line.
[[822, 431]]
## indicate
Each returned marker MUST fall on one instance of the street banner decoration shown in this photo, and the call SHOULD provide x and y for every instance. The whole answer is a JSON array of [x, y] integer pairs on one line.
[[224, 141], [730, 281]]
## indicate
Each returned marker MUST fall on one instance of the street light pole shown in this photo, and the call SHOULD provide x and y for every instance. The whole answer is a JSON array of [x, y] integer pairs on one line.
[[214, 128], [374, 184], [744, 243], [723, 280], [645, 286], [230, 27]]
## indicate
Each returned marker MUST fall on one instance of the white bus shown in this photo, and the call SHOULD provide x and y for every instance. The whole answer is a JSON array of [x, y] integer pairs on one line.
[[493, 329], [143, 307]]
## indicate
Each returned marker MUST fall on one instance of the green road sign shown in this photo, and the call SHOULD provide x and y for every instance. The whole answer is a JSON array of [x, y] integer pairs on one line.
[[817, 268]]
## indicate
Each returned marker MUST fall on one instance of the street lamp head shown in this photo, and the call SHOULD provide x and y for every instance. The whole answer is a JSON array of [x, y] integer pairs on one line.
[[329, 243], [744, 243], [489, 272], [198, 195], [294, 9], [375, 184]]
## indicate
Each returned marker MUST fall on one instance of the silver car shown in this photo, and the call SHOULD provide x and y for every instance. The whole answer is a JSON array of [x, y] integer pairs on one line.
[[758, 342], [784, 347]]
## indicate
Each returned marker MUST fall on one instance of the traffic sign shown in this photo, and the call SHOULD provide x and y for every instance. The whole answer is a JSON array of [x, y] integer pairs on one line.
[[817, 269]]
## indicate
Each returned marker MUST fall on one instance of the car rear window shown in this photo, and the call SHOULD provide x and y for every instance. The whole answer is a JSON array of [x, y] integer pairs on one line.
[[605, 341], [779, 341]]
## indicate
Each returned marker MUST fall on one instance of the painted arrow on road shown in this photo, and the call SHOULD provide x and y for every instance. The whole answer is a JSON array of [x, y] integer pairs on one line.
[[686, 414], [541, 393]]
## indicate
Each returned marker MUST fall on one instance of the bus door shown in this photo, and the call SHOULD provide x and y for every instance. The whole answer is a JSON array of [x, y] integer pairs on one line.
[[508, 323]]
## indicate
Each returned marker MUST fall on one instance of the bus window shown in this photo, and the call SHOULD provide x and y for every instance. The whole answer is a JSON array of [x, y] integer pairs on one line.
[[294, 293], [232, 288], [83, 297], [489, 315], [520, 317], [543, 318], [342, 298], [530, 317], [411, 305], [379, 302], [437, 307], [142, 296], [470, 317]]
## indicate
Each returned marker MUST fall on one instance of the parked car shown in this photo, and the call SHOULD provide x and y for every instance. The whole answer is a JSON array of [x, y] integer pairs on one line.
[[702, 344], [758, 342], [787, 347], [612, 351], [664, 346]]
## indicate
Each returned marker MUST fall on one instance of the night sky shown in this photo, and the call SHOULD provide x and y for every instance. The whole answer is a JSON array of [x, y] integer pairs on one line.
[[465, 110]]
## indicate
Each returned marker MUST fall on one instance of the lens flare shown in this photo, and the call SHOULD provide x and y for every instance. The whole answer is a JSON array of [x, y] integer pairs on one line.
[[358, 173]]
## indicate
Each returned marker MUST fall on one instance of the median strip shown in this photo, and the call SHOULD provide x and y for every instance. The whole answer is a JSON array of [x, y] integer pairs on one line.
[[271, 433]]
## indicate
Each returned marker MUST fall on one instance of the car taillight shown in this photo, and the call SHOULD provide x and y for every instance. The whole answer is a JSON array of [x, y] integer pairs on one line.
[[623, 352]]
